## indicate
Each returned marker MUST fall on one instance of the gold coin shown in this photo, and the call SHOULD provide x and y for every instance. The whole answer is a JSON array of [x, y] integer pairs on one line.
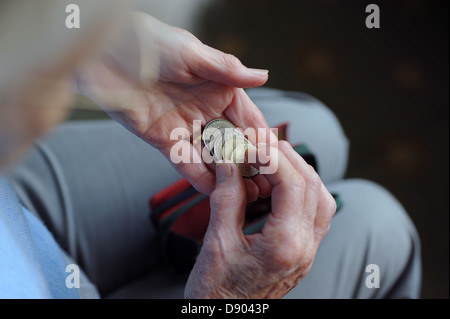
[[224, 141], [209, 132], [211, 137], [227, 134], [231, 144], [238, 157]]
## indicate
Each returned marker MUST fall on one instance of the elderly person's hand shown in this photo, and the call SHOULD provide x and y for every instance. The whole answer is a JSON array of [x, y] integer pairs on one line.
[[270, 263], [193, 82]]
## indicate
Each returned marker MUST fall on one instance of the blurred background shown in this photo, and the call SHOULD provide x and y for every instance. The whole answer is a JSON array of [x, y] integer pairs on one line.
[[389, 87]]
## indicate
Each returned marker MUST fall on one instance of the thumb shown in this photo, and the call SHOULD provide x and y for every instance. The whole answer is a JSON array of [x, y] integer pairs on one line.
[[227, 69], [228, 200]]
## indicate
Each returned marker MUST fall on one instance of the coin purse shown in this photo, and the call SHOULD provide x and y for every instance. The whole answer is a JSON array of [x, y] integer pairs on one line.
[[180, 215]]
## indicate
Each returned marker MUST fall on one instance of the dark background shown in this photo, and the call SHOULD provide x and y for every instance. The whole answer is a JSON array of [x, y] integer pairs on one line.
[[388, 87]]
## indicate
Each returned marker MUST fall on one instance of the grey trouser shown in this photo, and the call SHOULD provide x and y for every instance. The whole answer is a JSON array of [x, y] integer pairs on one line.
[[90, 182]]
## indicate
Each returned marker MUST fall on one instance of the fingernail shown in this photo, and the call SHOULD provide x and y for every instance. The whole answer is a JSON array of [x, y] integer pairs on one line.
[[223, 172], [260, 72]]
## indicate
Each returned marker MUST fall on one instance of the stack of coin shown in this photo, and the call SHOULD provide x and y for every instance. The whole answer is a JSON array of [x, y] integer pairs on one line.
[[225, 142]]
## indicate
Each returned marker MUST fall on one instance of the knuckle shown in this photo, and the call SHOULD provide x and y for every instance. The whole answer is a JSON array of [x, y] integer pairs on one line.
[[187, 34], [190, 43], [312, 171], [221, 198], [217, 200], [231, 61], [314, 178], [211, 249], [298, 182], [332, 206], [285, 262], [289, 256]]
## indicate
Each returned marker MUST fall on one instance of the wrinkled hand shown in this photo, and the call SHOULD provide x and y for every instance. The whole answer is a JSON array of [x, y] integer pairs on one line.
[[268, 264], [193, 82]]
